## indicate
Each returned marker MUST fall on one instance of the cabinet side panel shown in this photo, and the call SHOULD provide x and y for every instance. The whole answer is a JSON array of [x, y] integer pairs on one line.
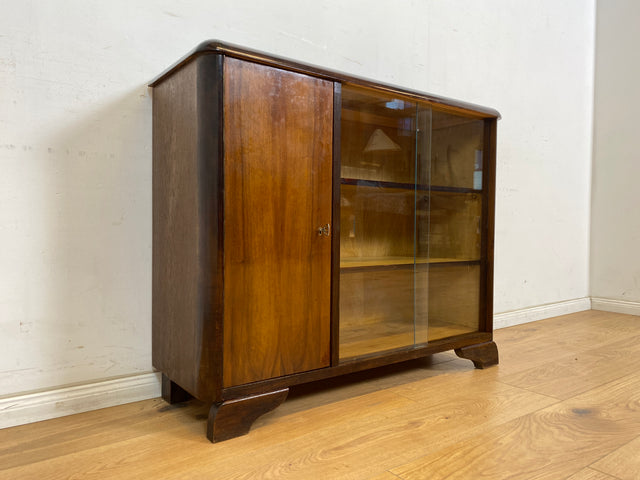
[[486, 293], [278, 191], [176, 229], [210, 177]]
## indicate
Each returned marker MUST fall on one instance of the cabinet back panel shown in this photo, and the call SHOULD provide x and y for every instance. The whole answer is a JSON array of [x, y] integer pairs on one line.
[[278, 191]]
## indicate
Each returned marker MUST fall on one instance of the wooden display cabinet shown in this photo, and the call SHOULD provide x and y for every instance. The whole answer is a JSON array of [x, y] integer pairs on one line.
[[309, 224]]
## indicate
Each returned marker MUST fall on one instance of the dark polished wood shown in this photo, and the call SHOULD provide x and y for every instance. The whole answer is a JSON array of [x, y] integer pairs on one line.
[[172, 392], [234, 418], [482, 355], [176, 227], [186, 304], [335, 240], [360, 364], [278, 193], [488, 226], [230, 50]]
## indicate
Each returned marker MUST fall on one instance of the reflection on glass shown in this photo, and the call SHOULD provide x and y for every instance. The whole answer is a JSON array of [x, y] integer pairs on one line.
[[377, 137], [456, 151]]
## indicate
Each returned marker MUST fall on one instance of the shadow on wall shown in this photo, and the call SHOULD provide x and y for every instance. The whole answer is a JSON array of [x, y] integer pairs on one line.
[[90, 294]]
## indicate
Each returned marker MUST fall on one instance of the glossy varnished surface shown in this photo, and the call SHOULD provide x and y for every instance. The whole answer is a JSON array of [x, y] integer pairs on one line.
[[564, 403], [278, 192], [224, 48], [234, 418], [186, 226]]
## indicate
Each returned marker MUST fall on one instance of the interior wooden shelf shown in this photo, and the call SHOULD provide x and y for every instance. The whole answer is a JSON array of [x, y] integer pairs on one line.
[[355, 344], [355, 262], [405, 186]]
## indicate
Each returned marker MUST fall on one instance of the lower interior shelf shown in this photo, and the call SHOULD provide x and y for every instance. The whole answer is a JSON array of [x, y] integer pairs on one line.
[[360, 340], [353, 262], [384, 309]]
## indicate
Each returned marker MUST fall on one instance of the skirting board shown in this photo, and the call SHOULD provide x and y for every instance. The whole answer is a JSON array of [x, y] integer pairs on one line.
[[34, 407], [532, 314], [616, 306]]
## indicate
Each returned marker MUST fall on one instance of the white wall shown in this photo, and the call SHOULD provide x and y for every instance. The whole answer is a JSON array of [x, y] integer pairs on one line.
[[615, 232], [533, 61], [75, 147]]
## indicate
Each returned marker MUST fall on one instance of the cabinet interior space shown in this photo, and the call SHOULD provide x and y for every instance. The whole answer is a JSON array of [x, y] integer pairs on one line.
[[411, 203], [398, 307]]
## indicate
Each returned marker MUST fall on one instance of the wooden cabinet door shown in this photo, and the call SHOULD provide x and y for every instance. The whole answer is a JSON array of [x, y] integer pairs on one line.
[[277, 193]]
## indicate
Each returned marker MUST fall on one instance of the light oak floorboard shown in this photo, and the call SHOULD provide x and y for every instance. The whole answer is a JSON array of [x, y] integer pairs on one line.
[[540, 414], [590, 474], [624, 463], [386, 476], [552, 443], [572, 374]]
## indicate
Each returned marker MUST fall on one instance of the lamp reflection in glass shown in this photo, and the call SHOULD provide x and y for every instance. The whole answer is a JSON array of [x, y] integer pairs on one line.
[[379, 142]]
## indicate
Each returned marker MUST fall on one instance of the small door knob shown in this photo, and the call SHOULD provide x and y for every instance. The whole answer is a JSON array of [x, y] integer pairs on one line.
[[324, 230]]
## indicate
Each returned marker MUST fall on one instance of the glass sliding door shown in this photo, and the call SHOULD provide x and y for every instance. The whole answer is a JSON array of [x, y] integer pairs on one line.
[[411, 193], [378, 222], [455, 225]]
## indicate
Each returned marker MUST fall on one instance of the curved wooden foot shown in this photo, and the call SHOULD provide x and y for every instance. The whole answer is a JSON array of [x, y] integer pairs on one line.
[[482, 355], [172, 392], [234, 418]]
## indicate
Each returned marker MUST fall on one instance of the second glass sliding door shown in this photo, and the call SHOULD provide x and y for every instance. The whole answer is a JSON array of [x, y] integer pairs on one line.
[[384, 214]]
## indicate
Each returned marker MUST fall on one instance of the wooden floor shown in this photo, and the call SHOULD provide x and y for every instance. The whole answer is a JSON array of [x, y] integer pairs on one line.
[[564, 403]]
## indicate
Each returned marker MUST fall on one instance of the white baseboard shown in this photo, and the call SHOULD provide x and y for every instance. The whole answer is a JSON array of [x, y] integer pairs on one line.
[[617, 306], [540, 312], [34, 407]]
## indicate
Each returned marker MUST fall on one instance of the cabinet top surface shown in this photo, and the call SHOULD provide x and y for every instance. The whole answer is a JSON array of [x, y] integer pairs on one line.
[[222, 48]]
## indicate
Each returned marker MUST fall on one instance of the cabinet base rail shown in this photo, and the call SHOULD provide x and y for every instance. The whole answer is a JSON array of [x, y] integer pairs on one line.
[[234, 417]]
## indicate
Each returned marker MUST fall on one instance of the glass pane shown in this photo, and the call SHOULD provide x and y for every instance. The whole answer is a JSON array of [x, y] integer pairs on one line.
[[455, 225], [376, 310], [377, 136], [456, 151], [411, 199], [454, 299], [422, 222], [377, 222], [455, 228]]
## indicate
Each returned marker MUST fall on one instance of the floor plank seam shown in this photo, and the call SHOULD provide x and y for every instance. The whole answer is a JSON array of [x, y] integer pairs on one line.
[[529, 390], [591, 466], [613, 477]]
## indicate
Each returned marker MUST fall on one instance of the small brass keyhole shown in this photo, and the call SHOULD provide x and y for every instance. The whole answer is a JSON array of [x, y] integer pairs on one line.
[[324, 230]]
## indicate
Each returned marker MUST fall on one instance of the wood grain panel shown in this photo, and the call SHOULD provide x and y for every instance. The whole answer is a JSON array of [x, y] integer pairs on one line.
[[186, 227], [176, 228], [278, 191]]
